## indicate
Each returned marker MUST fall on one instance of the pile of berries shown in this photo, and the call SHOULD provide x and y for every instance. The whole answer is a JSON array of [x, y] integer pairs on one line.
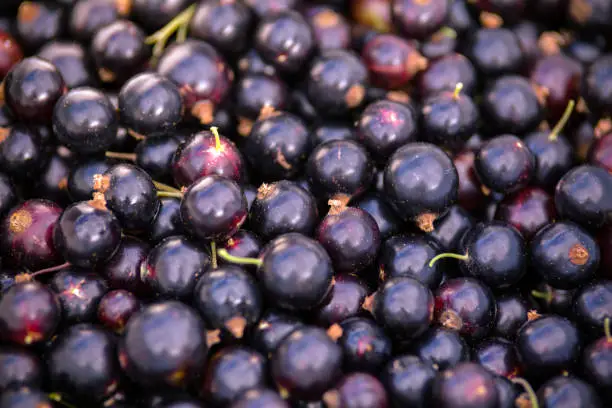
[[309, 204]]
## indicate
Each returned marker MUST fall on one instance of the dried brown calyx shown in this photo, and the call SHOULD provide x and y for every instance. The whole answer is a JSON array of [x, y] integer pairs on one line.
[[334, 331], [124, 7], [399, 96], [20, 221], [550, 42], [98, 201], [265, 190], [490, 20], [331, 399], [213, 337], [236, 326], [578, 254], [541, 93], [580, 10], [101, 183], [336, 206], [282, 160], [354, 96], [4, 132], [244, 126], [603, 127], [450, 320], [267, 111], [425, 222], [533, 315], [368, 303], [326, 18], [204, 111], [28, 12], [106, 75], [415, 63]]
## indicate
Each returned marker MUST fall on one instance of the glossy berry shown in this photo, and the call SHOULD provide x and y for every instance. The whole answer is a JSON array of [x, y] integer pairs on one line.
[[336, 82], [260, 398], [392, 61], [256, 91], [512, 311], [200, 156], [229, 299], [296, 272], [285, 40], [39, 22], [23, 152], [504, 164], [355, 390], [122, 270], [421, 183], [81, 178], [87, 234], [150, 104], [404, 307], [244, 244], [554, 157], [173, 267], [79, 293], [548, 345], [568, 391], [351, 237], [273, 327], [407, 380], [597, 82], [498, 356], [387, 220], [465, 305], [8, 195], [307, 363], [444, 73], [601, 152], [83, 363], [365, 344], [593, 305], [495, 51], [340, 167], [24, 397], [345, 301], [441, 348], [154, 155], [28, 234], [72, 62], [466, 385], [168, 220], [470, 194], [384, 126], [130, 194], [584, 195], [31, 89], [10, 53], [409, 255], [451, 227], [213, 208], [116, 308], [119, 51], [224, 25], [88, 16], [144, 351], [564, 255], [283, 207], [29, 313], [331, 30], [528, 210], [596, 366], [19, 368], [200, 73], [417, 18], [277, 146], [510, 105]]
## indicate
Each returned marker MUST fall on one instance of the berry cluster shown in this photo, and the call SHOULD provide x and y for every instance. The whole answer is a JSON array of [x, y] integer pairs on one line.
[[309, 204]]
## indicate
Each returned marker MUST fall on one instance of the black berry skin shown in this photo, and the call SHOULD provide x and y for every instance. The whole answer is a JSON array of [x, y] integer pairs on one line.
[[564, 255], [213, 208], [384, 126], [340, 167], [593, 305], [408, 380], [596, 366], [420, 179], [584, 195], [168, 221], [467, 385], [283, 207], [79, 293], [86, 234], [441, 348], [375, 204], [278, 146], [23, 152], [19, 368], [336, 82], [81, 178], [130, 194], [273, 327], [358, 390], [496, 254], [71, 60], [504, 164], [404, 307], [88, 16], [307, 363], [409, 255], [24, 398], [498, 356], [285, 40], [351, 237], [83, 363], [31, 89], [365, 344], [444, 73], [260, 398], [122, 270], [228, 298], [173, 267], [512, 309], [553, 157], [548, 345], [296, 272], [8, 195], [231, 372], [243, 243], [150, 104], [451, 227], [597, 84], [495, 51], [568, 391], [163, 345]]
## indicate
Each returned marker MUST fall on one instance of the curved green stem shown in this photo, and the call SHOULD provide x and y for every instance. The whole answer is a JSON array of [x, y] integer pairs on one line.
[[57, 397], [170, 194], [215, 132], [533, 398], [607, 330], [546, 296], [178, 24], [457, 91], [562, 122], [51, 269], [165, 187], [213, 254], [238, 259], [435, 259]]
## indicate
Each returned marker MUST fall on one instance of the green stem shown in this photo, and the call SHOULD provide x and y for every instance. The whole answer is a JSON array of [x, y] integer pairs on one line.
[[533, 398], [213, 254], [178, 24], [238, 259], [51, 269], [165, 187], [121, 156], [215, 132], [546, 296], [607, 330], [56, 397], [435, 259], [561, 124], [169, 194], [458, 89]]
